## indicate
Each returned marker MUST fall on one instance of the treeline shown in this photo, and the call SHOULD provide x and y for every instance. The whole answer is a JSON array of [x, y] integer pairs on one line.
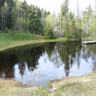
[[19, 17], [79, 25]]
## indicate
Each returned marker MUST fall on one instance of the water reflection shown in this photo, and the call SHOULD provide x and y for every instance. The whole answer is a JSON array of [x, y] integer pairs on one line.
[[49, 61]]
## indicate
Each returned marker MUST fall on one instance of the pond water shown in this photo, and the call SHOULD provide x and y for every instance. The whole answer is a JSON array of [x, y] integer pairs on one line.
[[42, 63]]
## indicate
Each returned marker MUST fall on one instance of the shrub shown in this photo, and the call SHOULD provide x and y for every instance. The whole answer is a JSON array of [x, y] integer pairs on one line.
[[8, 30]]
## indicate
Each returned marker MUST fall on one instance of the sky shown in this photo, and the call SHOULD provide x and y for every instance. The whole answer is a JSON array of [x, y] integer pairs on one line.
[[54, 5]]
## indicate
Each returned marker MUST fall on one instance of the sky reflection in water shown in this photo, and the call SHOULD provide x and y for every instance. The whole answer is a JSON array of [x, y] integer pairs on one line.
[[49, 61]]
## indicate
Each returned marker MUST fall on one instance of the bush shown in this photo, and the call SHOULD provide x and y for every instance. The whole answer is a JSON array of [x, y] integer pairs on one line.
[[50, 37], [49, 34], [0, 31], [8, 30]]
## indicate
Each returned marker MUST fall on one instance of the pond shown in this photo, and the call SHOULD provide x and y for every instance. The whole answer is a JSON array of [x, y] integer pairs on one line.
[[41, 63]]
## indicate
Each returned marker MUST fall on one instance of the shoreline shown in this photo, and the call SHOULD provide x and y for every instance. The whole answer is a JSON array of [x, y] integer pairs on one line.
[[71, 86], [4, 45]]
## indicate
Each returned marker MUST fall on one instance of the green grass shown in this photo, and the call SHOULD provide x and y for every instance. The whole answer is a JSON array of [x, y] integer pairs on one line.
[[90, 38], [18, 36], [14, 40]]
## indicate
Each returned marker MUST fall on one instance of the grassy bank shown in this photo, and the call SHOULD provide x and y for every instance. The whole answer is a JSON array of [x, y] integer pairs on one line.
[[91, 38], [19, 36], [15, 40], [13, 88], [77, 86]]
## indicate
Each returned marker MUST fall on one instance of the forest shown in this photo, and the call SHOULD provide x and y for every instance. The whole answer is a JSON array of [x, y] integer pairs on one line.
[[19, 17]]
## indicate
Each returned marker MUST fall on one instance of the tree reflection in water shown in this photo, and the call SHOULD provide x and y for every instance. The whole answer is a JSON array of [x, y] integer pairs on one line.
[[67, 54]]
